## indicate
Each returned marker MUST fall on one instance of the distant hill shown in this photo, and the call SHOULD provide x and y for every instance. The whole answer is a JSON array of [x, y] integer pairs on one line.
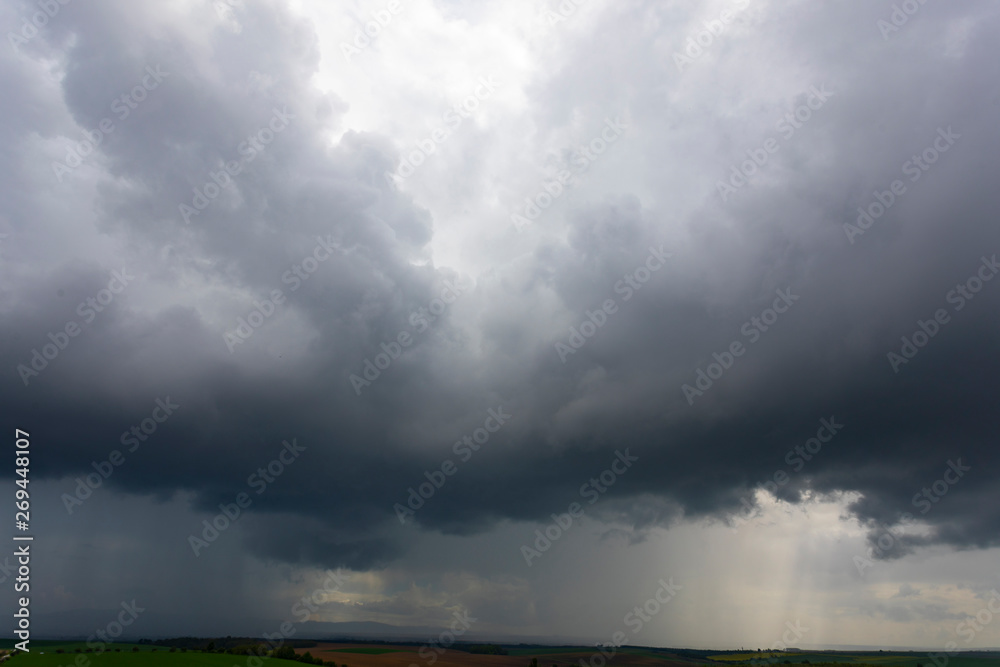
[[78, 625]]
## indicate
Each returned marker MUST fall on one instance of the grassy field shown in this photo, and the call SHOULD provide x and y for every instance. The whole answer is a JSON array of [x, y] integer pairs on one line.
[[45, 656], [52, 644]]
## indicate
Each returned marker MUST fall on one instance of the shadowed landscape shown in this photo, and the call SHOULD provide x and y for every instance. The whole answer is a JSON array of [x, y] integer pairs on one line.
[[349, 654]]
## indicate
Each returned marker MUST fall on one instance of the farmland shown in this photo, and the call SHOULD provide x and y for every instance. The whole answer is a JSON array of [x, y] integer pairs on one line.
[[354, 654]]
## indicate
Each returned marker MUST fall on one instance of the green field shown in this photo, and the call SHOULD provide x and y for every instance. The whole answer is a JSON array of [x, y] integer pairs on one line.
[[41, 656], [46, 645]]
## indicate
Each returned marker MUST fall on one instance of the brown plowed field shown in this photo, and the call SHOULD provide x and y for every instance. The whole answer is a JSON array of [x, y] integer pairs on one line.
[[408, 656]]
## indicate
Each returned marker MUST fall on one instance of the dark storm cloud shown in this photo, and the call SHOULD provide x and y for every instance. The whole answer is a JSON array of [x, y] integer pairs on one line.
[[495, 346]]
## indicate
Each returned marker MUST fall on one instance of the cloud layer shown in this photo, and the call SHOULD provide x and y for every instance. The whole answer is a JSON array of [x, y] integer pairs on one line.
[[699, 286]]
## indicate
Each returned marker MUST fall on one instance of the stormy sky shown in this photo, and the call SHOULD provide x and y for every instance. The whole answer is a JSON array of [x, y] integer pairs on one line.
[[701, 292]]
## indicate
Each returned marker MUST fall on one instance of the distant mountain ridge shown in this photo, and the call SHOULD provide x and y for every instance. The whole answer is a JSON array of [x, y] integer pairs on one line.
[[84, 623]]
